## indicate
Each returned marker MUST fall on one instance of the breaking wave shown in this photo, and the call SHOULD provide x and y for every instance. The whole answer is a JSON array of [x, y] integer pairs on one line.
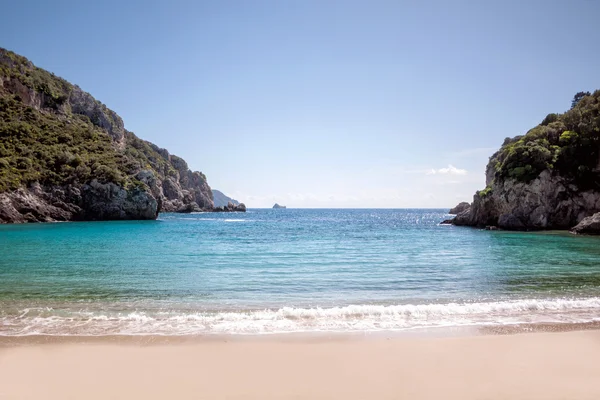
[[353, 318]]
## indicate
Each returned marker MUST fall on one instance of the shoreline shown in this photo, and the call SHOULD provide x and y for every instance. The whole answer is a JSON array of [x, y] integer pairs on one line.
[[298, 337], [539, 365], [125, 319]]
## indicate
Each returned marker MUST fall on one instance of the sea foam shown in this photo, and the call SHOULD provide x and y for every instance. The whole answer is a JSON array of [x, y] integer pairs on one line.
[[351, 318]]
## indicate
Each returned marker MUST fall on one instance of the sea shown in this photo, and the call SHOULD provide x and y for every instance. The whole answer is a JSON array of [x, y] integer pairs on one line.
[[289, 271]]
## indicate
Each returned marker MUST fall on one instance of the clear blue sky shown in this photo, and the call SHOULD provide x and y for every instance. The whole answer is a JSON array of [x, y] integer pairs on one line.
[[322, 103]]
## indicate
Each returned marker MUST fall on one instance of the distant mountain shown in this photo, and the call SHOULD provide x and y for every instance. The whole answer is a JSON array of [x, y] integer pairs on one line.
[[221, 200], [278, 206]]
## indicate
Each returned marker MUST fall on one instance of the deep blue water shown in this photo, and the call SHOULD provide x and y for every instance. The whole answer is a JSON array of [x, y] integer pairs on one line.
[[286, 271]]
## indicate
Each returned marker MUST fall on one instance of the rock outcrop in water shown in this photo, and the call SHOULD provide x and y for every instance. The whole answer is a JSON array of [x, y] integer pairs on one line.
[[278, 206], [230, 207], [546, 179], [65, 156], [588, 226]]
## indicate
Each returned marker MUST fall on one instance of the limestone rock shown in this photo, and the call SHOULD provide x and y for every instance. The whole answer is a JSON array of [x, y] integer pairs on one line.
[[108, 201], [83, 103], [588, 226], [460, 207], [24, 206], [547, 202], [230, 207]]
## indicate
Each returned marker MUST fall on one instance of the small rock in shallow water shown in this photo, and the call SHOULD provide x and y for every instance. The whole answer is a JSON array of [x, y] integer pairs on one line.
[[588, 226]]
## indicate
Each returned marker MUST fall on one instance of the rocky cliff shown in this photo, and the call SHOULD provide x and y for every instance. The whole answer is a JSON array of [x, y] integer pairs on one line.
[[460, 207], [66, 156], [548, 178]]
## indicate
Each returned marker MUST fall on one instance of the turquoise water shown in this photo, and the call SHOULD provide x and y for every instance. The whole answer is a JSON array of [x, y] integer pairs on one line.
[[270, 271]]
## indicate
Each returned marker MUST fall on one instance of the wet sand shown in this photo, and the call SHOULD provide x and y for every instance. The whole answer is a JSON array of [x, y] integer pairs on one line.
[[542, 365]]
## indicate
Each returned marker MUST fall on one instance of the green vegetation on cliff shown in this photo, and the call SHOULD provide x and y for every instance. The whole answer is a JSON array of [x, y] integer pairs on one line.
[[53, 133], [568, 144], [39, 147]]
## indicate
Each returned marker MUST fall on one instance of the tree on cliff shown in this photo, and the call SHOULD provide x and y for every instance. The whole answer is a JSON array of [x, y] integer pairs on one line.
[[578, 98], [568, 144]]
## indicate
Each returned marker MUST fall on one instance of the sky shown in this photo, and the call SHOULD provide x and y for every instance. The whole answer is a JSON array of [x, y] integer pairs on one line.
[[322, 103]]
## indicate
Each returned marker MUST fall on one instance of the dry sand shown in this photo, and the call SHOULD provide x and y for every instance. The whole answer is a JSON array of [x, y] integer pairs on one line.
[[563, 365]]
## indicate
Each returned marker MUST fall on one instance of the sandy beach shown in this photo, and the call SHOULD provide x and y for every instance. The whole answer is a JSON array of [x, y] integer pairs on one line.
[[560, 365]]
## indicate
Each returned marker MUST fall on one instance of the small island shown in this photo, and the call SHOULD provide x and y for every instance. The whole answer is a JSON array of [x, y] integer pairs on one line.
[[278, 206]]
